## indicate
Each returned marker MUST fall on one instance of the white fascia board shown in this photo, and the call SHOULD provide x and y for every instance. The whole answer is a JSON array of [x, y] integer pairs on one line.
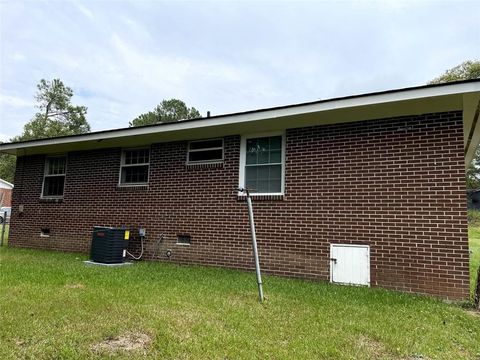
[[291, 111], [6, 184]]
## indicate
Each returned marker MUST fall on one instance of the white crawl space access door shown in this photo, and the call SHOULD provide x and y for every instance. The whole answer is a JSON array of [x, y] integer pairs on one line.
[[350, 264]]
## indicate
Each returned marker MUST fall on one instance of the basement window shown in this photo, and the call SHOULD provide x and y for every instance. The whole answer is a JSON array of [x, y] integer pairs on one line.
[[184, 239], [134, 167], [54, 177], [45, 232], [205, 151]]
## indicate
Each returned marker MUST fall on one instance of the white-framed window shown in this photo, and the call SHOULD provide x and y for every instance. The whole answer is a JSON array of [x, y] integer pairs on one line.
[[134, 167], [262, 163], [54, 177], [205, 151]]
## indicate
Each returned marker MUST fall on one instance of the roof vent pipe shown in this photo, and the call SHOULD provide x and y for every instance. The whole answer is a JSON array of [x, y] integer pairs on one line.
[[208, 114]]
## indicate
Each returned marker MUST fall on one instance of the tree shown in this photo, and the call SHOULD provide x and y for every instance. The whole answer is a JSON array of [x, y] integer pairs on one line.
[[56, 117], [465, 71], [7, 167], [473, 173], [167, 111]]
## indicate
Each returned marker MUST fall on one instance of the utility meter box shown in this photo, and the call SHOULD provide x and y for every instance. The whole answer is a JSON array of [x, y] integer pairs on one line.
[[109, 245]]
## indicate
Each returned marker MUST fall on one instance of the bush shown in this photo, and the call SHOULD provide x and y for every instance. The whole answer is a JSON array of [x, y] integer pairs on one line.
[[473, 217]]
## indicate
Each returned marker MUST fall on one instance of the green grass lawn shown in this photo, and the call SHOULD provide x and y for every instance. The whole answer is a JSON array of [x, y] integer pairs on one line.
[[474, 245], [52, 305]]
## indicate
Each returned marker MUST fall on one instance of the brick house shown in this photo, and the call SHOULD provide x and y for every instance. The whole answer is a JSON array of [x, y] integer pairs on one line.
[[366, 189], [5, 193]]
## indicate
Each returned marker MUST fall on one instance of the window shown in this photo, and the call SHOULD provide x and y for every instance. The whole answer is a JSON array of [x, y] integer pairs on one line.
[[262, 164], [54, 177], [205, 151], [134, 167], [184, 240]]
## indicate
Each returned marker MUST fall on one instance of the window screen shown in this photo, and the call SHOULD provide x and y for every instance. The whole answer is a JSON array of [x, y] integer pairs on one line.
[[54, 177], [135, 167], [184, 239], [263, 164], [205, 151]]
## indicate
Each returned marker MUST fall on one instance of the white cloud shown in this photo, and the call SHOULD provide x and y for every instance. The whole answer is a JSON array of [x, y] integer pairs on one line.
[[4, 137], [123, 58], [165, 76], [84, 10], [15, 101], [17, 57]]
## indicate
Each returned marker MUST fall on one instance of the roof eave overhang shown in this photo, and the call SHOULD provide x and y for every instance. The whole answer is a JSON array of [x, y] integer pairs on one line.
[[471, 125], [449, 97], [5, 184]]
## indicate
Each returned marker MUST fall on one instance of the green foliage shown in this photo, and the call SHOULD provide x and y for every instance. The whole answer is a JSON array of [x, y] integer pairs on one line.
[[53, 306], [473, 171], [5, 234], [56, 117], [7, 167], [465, 71], [167, 111], [473, 217], [474, 246]]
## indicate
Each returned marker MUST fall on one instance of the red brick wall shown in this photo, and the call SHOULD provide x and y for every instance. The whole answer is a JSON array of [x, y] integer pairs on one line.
[[395, 184], [5, 197]]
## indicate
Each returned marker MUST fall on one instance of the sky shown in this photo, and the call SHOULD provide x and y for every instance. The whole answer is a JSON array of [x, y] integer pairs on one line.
[[122, 58]]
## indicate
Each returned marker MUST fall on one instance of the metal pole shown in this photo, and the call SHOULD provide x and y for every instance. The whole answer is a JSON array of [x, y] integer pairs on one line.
[[3, 227], [254, 244]]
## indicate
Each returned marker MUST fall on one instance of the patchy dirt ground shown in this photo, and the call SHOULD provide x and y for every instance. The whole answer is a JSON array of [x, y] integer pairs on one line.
[[126, 342], [367, 344], [378, 350]]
